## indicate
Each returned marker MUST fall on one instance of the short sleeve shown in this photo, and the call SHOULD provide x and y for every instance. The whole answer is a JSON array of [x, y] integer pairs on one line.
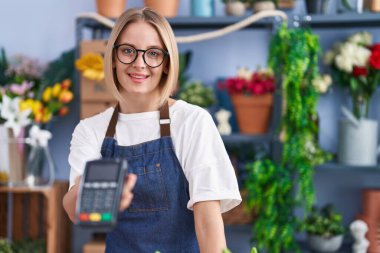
[[83, 147], [207, 165]]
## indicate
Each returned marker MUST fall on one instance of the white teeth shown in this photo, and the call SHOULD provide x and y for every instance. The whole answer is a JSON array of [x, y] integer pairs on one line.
[[138, 76]]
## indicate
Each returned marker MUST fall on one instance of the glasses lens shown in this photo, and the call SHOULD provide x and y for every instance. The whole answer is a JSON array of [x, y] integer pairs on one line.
[[126, 54], [154, 57]]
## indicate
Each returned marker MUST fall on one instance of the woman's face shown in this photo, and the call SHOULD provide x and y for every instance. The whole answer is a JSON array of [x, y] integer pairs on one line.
[[137, 79]]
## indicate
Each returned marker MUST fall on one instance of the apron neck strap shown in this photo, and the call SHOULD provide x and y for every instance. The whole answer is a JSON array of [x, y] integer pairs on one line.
[[164, 120]]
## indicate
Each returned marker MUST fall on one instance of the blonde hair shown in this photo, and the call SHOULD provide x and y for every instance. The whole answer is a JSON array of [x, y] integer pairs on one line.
[[168, 82]]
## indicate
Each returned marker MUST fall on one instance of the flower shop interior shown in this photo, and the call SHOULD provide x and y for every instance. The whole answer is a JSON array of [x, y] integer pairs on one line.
[[290, 84]]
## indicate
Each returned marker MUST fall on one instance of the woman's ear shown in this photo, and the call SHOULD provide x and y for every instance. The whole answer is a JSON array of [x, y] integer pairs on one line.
[[166, 68]]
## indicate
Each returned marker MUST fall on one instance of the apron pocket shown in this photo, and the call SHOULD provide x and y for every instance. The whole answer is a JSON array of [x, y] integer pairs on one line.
[[149, 193]]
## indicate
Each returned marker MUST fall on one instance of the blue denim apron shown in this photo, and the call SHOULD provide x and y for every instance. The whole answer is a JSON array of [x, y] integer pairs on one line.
[[157, 219]]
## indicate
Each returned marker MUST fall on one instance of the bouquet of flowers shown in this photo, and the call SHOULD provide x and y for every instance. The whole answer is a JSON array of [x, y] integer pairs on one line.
[[26, 94], [250, 82], [356, 66]]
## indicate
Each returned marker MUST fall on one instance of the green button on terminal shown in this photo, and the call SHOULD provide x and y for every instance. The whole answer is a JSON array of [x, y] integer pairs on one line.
[[106, 216]]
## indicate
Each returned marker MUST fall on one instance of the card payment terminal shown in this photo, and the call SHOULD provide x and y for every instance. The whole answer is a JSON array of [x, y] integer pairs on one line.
[[99, 192]]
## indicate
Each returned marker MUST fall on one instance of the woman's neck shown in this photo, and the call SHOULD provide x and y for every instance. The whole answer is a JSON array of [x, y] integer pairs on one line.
[[138, 105]]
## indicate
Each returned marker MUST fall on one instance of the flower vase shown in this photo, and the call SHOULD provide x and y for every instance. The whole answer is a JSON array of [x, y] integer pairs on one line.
[[253, 112], [357, 143], [39, 158], [11, 156]]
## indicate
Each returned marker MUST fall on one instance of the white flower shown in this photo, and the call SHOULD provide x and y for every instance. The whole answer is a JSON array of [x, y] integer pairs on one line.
[[15, 118], [39, 137], [244, 73], [323, 83], [351, 55], [344, 63], [361, 38]]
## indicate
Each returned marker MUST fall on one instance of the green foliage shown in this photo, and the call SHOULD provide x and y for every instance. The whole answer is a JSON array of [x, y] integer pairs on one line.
[[4, 246], [60, 69], [29, 246], [296, 51], [271, 187], [23, 246], [198, 94], [3, 67], [184, 61], [325, 222]]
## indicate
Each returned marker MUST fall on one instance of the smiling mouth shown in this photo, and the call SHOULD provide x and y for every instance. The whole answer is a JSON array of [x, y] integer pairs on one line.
[[134, 76]]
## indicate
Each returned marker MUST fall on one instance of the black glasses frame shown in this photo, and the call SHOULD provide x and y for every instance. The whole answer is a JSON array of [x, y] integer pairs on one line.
[[116, 47]]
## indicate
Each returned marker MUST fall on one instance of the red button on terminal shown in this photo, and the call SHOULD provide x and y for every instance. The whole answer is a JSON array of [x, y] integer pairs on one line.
[[83, 217]]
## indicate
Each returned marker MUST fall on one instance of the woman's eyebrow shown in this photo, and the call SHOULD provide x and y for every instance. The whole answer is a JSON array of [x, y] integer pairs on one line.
[[133, 45]]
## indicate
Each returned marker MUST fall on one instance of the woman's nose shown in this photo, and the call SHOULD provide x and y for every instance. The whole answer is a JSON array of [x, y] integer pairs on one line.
[[139, 62]]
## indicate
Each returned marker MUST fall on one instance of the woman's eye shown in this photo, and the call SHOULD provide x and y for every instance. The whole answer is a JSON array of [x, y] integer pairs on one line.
[[128, 51], [154, 53]]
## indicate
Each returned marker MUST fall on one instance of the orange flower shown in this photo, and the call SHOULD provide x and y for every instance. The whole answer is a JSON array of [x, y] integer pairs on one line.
[[66, 96], [66, 84], [63, 111]]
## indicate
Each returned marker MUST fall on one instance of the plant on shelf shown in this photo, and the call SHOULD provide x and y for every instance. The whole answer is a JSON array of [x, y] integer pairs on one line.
[[259, 5], [356, 67], [288, 184], [251, 93], [324, 228], [5, 247], [198, 94]]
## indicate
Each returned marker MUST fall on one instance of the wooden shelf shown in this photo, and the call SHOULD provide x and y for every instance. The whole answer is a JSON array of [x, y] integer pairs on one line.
[[22, 209]]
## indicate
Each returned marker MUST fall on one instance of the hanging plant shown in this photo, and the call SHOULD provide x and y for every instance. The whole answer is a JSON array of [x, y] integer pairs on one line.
[[275, 190]]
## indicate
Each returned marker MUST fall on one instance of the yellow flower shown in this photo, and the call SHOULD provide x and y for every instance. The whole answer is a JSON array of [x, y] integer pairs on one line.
[[56, 90], [46, 95], [47, 115], [26, 104], [3, 176], [91, 65]]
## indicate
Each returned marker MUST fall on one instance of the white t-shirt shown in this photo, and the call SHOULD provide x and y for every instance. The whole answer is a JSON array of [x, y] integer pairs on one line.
[[197, 144]]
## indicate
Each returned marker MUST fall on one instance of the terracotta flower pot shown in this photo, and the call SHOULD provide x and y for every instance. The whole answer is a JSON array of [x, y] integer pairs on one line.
[[110, 8], [253, 113], [167, 8]]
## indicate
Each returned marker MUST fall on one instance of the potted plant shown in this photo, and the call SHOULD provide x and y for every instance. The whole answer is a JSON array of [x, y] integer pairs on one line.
[[252, 97], [260, 5], [355, 64], [234, 7], [198, 94], [324, 229]]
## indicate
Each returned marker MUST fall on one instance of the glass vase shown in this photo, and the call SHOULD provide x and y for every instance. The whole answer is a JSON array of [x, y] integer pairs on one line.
[[24, 162]]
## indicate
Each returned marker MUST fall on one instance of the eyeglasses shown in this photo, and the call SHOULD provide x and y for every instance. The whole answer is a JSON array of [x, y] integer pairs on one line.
[[127, 54]]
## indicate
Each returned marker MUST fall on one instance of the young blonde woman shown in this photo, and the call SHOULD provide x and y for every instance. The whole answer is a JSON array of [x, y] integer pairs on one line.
[[185, 179]]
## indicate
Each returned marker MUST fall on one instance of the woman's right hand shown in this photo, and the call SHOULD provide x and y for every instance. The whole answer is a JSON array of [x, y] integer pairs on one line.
[[127, 195]]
